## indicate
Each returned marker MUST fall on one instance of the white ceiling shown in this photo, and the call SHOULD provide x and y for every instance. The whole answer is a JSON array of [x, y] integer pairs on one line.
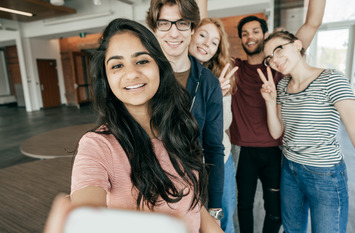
[[91, 18]]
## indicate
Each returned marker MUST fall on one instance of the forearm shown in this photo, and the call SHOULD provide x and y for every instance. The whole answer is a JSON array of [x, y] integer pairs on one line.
[[202, 5], [313, 21], [208, 223], [215, 167], [91, 195], [273, 120], [315, 13]]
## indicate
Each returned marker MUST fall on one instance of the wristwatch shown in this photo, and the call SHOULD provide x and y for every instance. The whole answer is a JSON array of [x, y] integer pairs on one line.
[[216, 213]]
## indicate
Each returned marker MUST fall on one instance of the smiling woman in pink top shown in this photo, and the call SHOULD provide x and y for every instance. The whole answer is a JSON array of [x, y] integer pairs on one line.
[[145, 153]]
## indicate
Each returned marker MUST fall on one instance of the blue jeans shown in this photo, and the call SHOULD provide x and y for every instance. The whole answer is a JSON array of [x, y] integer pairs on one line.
[[229, 196], [322, 190]]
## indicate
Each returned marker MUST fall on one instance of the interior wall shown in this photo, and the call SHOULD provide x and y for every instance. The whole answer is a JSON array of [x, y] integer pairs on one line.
[[47, 49], [284, 7], [4, 79], [14, 73], [67, 46], [230, 25]]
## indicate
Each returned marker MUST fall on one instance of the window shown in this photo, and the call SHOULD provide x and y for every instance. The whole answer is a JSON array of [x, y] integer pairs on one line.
[[340, 10]]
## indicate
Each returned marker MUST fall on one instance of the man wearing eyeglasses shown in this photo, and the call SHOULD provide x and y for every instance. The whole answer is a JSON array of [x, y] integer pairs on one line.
[[174, 22], [260, 156]]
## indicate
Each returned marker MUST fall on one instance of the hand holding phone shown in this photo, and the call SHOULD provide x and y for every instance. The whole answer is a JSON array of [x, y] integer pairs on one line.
[[64, 218]]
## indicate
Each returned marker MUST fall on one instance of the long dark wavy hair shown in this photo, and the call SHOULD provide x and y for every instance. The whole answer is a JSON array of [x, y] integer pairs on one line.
[[170, 118]]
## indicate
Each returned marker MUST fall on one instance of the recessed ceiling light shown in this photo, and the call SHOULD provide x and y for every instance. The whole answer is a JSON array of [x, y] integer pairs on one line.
[[97, 2], [57, 2]]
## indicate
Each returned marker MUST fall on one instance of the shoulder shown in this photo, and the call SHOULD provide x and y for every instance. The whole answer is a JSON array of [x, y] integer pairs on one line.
[[332, 75], [237, 61], [336, 84], [282, 84], [332, 78], [208, 76], [210, 85], [202, 74], [99, 143], [197, 68]]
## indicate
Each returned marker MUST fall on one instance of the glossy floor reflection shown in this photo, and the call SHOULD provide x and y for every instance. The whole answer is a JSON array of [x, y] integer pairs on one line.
[[17, 125]]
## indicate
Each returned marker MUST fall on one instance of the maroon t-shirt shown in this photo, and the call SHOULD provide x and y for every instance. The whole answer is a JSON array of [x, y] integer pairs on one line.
[[249, 124]]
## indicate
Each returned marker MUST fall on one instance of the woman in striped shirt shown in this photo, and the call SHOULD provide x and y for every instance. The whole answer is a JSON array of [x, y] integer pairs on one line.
[[306, 108]]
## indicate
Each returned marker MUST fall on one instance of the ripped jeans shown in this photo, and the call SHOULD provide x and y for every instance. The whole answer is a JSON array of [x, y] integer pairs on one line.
[[262, 163]]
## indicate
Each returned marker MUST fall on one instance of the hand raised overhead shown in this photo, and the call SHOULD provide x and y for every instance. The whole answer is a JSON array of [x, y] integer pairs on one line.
[[268, 89], [224, 79]]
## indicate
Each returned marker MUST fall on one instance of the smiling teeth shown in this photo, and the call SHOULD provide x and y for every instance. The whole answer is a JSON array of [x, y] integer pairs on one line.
[[250, 43], [134, 87], [202, 50], [174, 43]]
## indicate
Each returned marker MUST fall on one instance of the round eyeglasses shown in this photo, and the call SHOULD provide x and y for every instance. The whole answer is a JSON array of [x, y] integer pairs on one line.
[[181, 25], [278, 51]]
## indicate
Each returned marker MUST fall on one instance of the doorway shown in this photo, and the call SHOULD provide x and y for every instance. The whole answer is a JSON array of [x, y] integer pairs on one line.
[[47, 71], [81, 64]]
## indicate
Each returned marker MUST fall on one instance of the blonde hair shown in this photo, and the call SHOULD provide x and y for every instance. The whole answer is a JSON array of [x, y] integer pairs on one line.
[[222, 57]]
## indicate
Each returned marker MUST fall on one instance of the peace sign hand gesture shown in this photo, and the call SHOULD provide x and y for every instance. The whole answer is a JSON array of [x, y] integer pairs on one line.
[[224, 79], [268, 89]]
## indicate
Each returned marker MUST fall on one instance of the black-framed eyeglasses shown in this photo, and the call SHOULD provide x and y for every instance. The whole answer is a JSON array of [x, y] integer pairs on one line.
[[278, 51], [181, 25]]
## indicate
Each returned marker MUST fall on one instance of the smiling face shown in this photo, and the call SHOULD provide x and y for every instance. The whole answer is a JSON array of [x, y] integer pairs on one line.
[[286, 59], [132, 73], [252, 38], [205, 42], [174, 43]]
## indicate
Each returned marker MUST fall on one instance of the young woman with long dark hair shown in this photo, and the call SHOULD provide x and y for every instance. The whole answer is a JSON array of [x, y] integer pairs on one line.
[[145, 152]]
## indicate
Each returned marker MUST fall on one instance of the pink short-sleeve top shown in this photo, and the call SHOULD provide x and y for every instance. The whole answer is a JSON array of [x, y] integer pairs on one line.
[[102, 162]]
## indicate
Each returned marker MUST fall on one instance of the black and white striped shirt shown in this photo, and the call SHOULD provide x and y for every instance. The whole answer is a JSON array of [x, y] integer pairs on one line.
[[311, 121]]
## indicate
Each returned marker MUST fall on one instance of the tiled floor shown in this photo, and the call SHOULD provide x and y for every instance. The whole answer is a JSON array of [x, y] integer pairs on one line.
[[16, 125]]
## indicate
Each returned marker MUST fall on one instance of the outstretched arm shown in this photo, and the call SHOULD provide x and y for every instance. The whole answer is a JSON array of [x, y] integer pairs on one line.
[[313, 21], [90, 195], [202, 5], [56, 218]]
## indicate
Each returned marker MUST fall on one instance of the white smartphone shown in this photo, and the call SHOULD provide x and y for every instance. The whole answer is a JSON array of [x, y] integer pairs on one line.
[[106, 220]]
